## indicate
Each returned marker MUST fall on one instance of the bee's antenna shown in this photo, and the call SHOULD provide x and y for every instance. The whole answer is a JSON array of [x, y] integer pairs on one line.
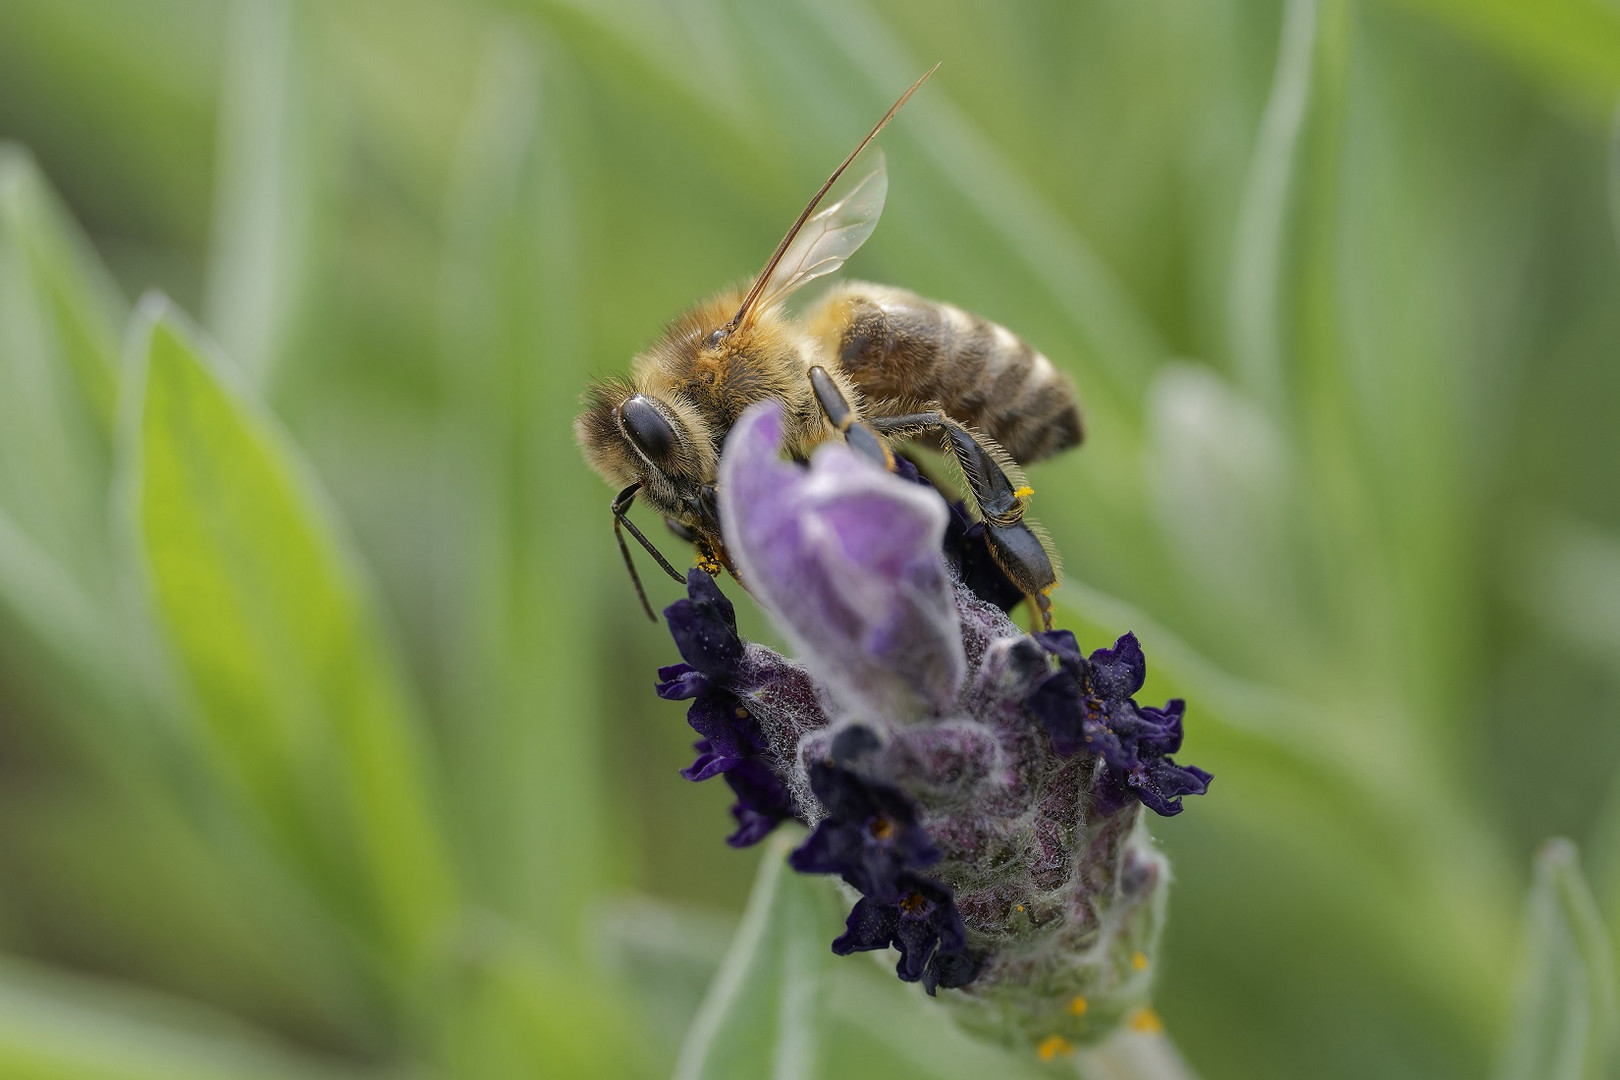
[[810, 208], [621, 506]]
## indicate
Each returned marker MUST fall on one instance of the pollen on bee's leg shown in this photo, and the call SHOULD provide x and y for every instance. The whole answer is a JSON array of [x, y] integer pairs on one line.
[[1079, 1005], [1052, 1046], [1139, 960], [1024, 492]]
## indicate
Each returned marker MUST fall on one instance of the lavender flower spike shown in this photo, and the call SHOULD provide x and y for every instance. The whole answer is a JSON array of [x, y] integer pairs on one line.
[[980, 791], [847, 558]]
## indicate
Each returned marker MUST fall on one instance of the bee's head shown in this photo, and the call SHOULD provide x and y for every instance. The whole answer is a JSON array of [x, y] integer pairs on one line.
[[637, 437]]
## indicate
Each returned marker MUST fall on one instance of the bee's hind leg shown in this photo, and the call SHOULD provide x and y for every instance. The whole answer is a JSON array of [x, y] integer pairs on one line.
[[842, 415], [1017, 548]]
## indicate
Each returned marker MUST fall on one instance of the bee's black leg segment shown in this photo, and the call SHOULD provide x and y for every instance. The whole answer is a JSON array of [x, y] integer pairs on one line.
[[621, 507], [1016, 547], [838, 410], [993, 491], [620, 504], [681, 531], [1020, 553]]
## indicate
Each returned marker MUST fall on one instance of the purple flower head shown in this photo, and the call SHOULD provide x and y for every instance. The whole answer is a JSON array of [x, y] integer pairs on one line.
[[1089, 704], [977, 789], [846, 557]]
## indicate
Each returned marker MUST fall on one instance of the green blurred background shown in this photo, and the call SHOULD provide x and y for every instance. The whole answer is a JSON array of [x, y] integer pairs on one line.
[[327, 741]]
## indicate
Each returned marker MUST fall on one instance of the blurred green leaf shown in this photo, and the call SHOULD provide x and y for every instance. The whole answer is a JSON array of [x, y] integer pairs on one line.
[[880, 1027], [1572, 46], [514, 1012], [58, 368], [668, 953], [1571, 582], [1614, 178], [1282, 776], [763, 1015], [269, 622], [1568, 1019], [264, 189], [69, 289], [53, 1027], [1262, 228]]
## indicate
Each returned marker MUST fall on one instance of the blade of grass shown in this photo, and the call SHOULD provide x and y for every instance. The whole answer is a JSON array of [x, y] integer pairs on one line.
[[263, 188], [1568, 1022], [1257, 253]]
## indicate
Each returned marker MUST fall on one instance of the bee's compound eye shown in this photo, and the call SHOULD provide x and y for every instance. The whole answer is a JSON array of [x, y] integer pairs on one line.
[[644, 423]]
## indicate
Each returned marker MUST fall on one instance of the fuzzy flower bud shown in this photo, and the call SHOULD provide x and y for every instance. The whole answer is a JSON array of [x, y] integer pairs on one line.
[[977, 788], [846, 560]]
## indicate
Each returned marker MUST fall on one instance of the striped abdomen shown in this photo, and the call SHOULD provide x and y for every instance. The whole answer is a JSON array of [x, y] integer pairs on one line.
[[902, 351]]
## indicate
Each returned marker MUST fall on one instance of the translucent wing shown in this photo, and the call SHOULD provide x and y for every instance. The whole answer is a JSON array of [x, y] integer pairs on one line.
[[832, 235]]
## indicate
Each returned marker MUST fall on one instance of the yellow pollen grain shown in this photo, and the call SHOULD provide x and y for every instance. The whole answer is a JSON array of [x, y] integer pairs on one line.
[[1052, 1046], [1139, 961], [1079, 1005], [1020, 907], [1024, 492], [1147, 1022]]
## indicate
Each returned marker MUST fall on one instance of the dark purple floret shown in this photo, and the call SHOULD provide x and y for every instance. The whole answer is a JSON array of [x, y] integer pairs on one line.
[[704, 627], [923, 924], [870, 834], [762, 803], [705, 630], [1088, 704], [1118, 672], [1158, 783], [967, 549]]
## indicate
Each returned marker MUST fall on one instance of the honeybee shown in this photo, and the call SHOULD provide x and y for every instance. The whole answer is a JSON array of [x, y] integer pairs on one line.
[[873, 364]]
